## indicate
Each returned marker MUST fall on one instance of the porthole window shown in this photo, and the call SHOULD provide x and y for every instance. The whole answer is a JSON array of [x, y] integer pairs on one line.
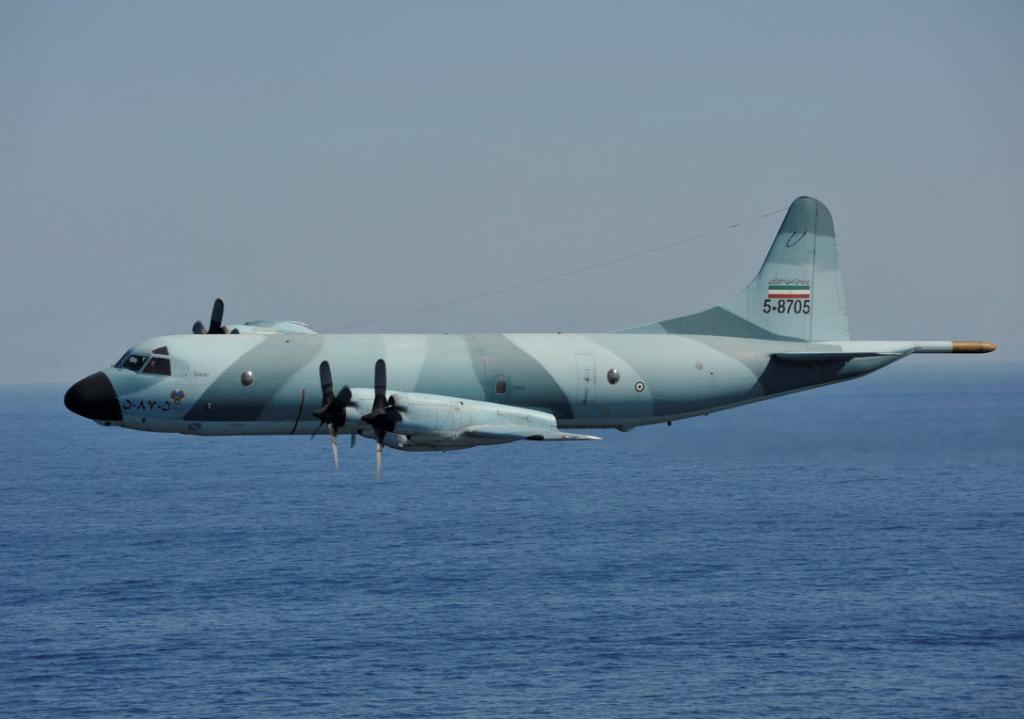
[[248, 377], [613, 376], [500, 385]]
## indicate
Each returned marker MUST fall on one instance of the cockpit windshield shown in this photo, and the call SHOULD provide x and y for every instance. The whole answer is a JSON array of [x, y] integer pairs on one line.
[[133, 362], [147, 364], [158, 365]]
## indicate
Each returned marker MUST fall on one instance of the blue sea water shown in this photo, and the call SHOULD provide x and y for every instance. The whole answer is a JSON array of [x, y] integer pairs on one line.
[[852, 551]]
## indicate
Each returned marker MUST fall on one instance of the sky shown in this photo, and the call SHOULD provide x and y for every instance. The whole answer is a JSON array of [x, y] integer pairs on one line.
[[336, 163]]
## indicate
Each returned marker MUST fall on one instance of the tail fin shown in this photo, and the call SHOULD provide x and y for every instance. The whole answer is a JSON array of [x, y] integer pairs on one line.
[[797, 295]]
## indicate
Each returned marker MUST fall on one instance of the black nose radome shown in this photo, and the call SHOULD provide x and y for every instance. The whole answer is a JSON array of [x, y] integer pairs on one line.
[[94, 398]]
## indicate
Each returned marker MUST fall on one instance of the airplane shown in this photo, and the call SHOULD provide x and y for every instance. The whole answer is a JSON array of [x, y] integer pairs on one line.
[[786, 331]]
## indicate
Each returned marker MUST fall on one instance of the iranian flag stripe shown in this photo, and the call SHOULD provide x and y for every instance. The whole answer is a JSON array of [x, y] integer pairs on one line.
[[788, 287], [788, 296]]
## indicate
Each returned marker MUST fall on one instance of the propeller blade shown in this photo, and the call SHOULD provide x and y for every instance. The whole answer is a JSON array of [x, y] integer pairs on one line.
[[327, 383], [198, 328], [334, 446], [217, 317], [384, 414], [345, 397], [333, 410], [379, 432], [395, 410], [380, 454], [380, 383]]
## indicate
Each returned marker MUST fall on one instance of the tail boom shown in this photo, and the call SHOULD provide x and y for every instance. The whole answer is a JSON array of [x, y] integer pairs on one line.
[[958, 346], [845, 351]]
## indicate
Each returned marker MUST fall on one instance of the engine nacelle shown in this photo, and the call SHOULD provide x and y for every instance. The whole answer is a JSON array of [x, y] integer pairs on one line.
[[439, 422]]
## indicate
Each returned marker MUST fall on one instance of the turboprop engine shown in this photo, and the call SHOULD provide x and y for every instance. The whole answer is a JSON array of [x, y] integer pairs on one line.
[[439, 422], [415, 421]]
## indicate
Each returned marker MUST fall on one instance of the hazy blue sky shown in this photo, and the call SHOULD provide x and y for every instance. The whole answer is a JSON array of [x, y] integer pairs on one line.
[[331, 162]]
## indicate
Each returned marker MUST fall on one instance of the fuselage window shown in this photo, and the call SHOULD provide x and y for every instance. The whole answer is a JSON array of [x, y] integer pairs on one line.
[[158, 365], [134, 362], [501, 385]]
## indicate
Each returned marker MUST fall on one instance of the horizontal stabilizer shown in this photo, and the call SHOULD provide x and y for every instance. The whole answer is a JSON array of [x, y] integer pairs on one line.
[[512, 432]]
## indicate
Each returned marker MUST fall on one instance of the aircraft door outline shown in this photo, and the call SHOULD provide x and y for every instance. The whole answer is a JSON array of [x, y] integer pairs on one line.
[[586, 385]]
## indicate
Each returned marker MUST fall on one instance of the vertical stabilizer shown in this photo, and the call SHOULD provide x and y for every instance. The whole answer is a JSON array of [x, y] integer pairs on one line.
[[797, 295]]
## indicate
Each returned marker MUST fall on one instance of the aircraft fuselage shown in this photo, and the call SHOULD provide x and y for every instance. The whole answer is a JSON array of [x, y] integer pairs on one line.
[[787, 330], [584, 380]]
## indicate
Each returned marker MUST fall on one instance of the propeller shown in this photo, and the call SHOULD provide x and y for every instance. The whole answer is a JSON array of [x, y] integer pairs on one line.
[[216, 321], [385, 413], [332, 410]]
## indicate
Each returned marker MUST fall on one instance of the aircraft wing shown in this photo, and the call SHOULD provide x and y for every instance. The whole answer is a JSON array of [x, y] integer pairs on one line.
[[513, 432]]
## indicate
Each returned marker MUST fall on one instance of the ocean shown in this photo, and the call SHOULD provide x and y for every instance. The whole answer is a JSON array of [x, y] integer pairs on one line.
[[850, 551]]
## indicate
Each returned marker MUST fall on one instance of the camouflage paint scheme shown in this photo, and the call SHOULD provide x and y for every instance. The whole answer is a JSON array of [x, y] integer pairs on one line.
[[746, 350]]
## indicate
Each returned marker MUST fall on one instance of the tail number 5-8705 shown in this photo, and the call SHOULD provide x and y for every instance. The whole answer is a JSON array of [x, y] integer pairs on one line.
[[787, 307]]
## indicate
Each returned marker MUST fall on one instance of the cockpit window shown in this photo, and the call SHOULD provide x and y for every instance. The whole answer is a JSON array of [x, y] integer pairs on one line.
[[120, 362], [161, 351], [158, 365], [133, 362]]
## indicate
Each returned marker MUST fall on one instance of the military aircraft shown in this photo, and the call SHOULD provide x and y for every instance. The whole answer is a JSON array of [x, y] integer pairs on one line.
[[786, 331]]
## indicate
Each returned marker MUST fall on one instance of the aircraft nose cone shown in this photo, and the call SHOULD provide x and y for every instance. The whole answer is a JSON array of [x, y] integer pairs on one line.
[[94, 398]]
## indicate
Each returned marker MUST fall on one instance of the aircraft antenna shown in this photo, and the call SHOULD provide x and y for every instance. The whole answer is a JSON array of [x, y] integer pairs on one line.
[[560, 275]]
